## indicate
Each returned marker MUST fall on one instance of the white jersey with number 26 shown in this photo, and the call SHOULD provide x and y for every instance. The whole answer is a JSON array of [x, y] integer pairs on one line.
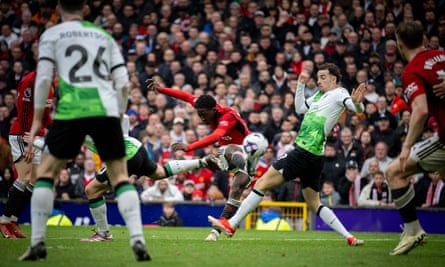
[[85, 56]]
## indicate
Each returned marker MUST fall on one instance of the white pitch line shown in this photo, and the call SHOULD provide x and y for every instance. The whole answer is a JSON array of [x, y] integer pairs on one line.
[[257, 239]]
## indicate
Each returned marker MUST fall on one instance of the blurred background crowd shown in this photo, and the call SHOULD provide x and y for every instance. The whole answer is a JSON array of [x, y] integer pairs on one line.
[[248, 55]]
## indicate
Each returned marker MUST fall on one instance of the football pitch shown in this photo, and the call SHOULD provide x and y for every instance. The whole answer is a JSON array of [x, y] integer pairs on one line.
[[171, 247]]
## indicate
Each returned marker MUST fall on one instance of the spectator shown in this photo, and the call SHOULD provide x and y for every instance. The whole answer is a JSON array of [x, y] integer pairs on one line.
[[189, 188], [177, 134], [285, 144], [384, 133], [76, 167], [383, 112], [348, 189], [270, 218], [162, 190], [290, 191], [349, 149], [381, 155], [376, 192], [334, 165], [88, 175], [6, 181], [169, 216], [366, 144], [435, 195], [64, 189], [5, 156], [328, 196], [403, 127]]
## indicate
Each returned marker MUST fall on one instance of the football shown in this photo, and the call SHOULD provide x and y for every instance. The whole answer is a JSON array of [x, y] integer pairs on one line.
[[255, 145]]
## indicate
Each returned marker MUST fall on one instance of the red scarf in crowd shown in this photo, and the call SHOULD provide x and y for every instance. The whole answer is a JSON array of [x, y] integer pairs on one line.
[[432, 198]]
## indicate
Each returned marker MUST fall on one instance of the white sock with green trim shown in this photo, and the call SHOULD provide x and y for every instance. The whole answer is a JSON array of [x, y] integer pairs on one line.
[[177, 166], [42, 202], [99, 213], [251, 202], [129, 208]]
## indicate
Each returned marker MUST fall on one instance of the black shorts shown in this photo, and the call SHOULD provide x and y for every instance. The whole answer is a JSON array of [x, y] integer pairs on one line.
[[65, 137], [303, 164], [140, 164]]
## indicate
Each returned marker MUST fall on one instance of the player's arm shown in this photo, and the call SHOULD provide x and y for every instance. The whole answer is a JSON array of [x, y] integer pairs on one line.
[[439, 89], [208, 140], [354, 103], [42, 87], [225, 124], [301, 103], [119, 74], [418, 118], [184, 96]]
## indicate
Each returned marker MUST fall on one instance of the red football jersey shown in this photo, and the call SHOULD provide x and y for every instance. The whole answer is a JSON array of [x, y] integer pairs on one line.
[[418, 78], [25, 107], [230, 128]]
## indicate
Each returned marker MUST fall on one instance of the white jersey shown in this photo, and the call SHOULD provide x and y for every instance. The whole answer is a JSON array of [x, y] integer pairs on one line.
[[322, 112], [85, 56]]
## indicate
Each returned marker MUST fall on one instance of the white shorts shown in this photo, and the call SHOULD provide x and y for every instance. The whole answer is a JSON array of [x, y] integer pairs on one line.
[[429, 154], [18, 149]]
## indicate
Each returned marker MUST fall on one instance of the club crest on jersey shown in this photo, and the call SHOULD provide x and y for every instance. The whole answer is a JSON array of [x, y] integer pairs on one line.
[[28, 92], [410, 89], [226, 138], [224, 123]]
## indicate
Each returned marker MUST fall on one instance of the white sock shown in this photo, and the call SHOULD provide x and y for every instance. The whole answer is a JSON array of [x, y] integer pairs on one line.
[[251, 202], [42, 202], [413, 227], [177, 166], [5, 219], [99, 214], [329, 217], [129, 208]]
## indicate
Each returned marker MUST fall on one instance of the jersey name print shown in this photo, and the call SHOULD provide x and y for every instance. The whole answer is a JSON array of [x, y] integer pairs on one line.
[[85, 58]]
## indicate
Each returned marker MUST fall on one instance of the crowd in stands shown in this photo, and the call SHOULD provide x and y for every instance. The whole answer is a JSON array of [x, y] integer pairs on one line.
[[248, 55]]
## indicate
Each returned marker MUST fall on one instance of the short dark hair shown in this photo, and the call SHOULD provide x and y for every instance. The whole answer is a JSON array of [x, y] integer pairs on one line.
[[205, 101], [72, 5], [411, 34], [333, 70]]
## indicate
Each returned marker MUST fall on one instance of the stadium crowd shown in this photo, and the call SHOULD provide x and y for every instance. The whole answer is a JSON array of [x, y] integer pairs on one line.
[[248, 55]]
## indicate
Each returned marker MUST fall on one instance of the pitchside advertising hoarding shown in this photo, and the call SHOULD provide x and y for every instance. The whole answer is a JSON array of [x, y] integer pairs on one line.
[[195, 215]]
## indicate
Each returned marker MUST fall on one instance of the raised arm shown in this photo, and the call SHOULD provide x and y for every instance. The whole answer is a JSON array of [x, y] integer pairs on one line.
[[354, 103], [184, 96], [301, 104]]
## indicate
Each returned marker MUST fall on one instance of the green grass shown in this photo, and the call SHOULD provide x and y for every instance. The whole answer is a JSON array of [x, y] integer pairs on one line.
[[170, 247]]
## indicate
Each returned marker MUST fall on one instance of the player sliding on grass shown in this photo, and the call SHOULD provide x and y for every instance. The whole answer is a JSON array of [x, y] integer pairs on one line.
[[138, 164], [228, 128], [306, 160]]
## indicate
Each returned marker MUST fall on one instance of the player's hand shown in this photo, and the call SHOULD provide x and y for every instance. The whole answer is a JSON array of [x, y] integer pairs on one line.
[[179, 146], [29, 149], [358, 94], [403, 157], [304, 77], [27, 138], [153, 85], [439, 89]]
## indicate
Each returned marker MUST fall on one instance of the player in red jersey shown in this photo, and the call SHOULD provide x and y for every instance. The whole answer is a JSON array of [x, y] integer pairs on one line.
[[228, 128], [418, 79], [20, 192]]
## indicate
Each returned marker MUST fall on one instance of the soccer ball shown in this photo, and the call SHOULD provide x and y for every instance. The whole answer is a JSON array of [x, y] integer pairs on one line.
[[255, 145]]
